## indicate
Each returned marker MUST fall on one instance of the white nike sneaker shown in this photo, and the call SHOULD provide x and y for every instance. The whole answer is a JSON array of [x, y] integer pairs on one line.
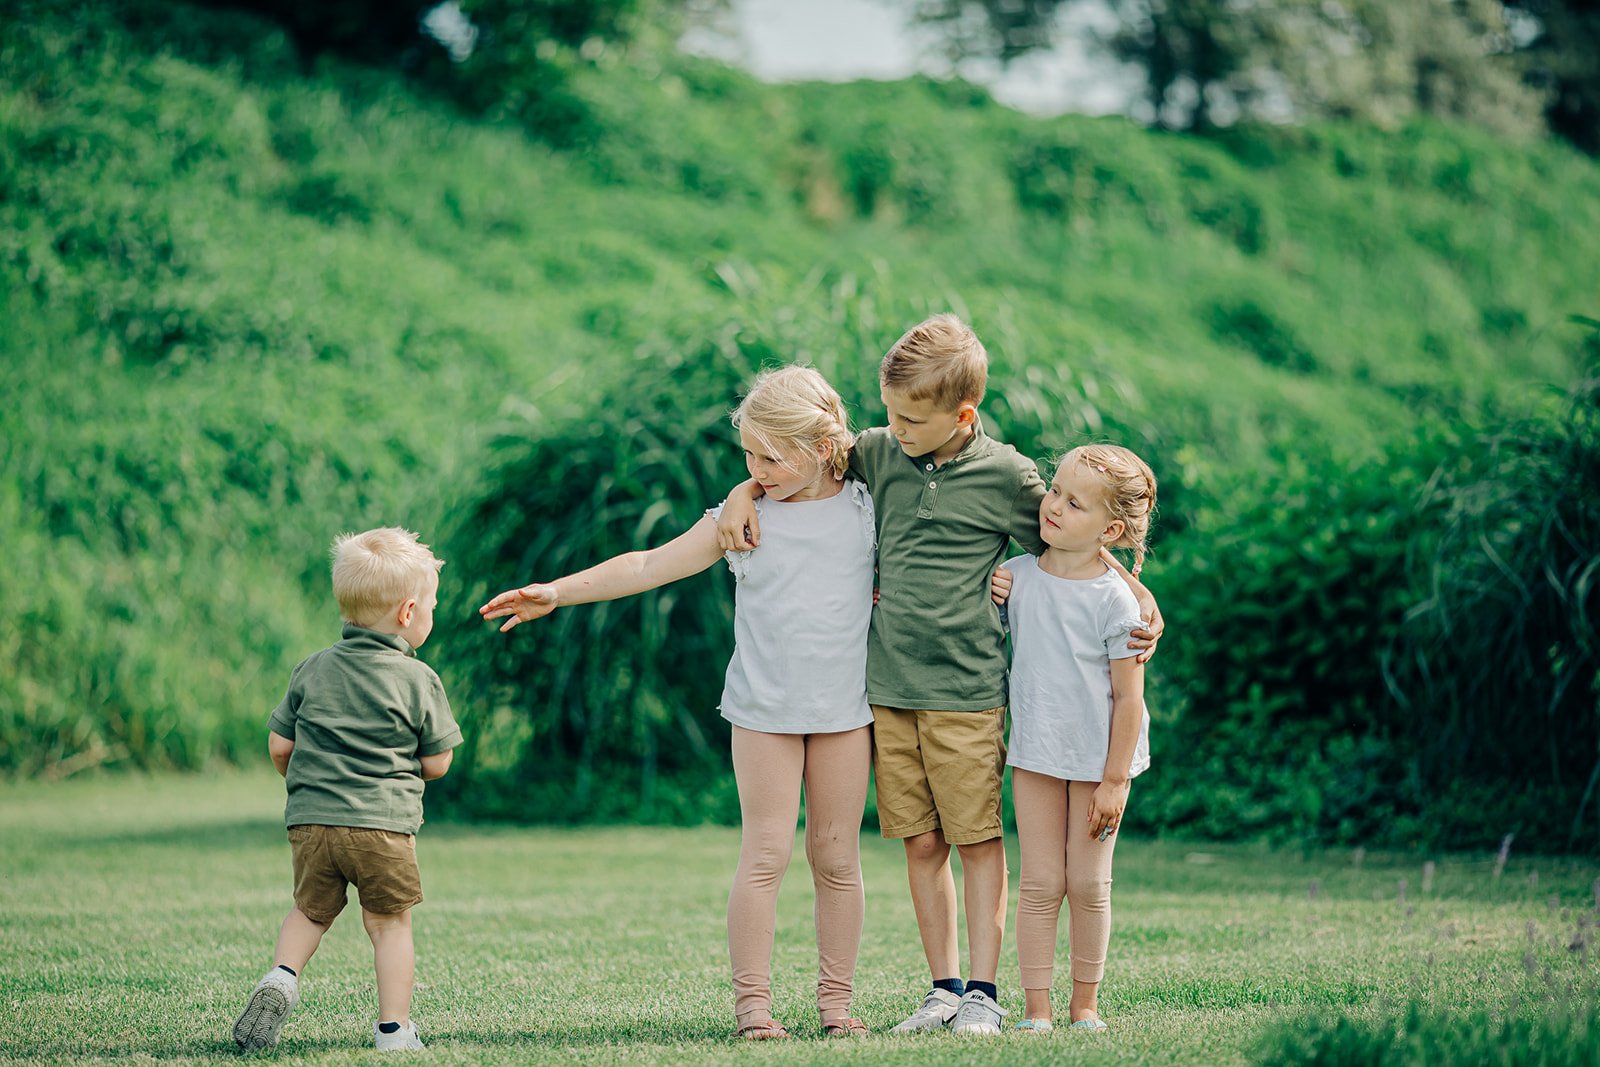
[[404, 1039], [978, 1014], [938, 1008], [270, 1003]]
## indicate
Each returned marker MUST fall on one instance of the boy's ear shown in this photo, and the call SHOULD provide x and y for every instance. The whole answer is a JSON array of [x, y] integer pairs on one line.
[[404, 612], [966, 413]]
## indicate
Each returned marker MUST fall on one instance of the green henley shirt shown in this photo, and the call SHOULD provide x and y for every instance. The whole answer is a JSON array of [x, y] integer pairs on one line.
[[361, 714], [936, 642]]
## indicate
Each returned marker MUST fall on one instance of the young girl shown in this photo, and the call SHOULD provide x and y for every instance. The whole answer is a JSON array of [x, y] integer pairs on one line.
[[1079, 730], [795, 689]]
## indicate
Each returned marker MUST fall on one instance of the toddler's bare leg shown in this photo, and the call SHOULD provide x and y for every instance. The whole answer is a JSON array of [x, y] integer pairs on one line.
[[394, 957], [933, 896], [297, 940], [983, 879], [768, 769], [1041, 804], [836, 793], [1089, 898]]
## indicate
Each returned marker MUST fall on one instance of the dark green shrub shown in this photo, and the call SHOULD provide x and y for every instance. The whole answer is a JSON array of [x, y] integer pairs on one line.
[[1504, 641]]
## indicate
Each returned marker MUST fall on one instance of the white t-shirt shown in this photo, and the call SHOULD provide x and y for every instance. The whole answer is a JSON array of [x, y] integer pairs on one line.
[[801, 610], [1064, 635]]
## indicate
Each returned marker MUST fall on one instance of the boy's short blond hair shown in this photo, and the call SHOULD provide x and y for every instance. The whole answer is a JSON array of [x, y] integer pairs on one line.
[[939, 359], [378, 570]]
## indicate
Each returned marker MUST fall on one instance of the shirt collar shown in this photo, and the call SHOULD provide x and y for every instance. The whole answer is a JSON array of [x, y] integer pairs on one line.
[[352, 632]]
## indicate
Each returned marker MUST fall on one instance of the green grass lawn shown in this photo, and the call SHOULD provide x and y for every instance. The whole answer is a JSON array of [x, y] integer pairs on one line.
[[136, 913]]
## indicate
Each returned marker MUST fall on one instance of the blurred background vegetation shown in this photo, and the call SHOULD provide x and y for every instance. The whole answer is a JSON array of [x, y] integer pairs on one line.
[[497, 272]]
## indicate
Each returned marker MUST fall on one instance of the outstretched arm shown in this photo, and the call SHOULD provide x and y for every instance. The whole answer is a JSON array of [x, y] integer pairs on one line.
[[1149, 610], [633, 572]]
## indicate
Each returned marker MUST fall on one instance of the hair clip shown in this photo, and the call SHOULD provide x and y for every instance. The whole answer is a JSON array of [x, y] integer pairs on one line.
[[1101, 467]]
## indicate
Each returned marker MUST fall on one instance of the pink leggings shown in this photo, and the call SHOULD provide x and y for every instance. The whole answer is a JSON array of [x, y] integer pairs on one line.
[[1060, 859], [770, 769]]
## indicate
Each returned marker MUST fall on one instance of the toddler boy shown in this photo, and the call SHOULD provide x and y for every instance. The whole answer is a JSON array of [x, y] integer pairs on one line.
[[363, 725], [949, 499]]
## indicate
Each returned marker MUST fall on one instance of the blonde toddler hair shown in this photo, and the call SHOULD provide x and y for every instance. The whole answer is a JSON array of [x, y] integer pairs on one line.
[[1130, 492], [939, 359], [378, 570], [793, 410]]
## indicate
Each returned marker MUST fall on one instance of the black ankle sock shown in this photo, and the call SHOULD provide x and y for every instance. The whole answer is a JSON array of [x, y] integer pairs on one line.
[[389, 1028], [951, 985], [987, 988], [281, 967]]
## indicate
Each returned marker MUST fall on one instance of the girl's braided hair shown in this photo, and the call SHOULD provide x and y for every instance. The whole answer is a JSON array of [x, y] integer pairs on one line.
[[1130, 492], [793, 410]]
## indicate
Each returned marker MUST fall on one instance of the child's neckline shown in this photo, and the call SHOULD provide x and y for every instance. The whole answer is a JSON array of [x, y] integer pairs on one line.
[[1104, 570]]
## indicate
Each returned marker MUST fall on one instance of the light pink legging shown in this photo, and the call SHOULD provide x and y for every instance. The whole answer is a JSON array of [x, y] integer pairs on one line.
[[1060, 859], [770, 769]]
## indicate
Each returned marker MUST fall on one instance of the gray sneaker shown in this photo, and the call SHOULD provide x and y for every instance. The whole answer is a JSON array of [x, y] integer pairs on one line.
[[938, 1008], [404, 1039], [978, 1014], [270, 1003]]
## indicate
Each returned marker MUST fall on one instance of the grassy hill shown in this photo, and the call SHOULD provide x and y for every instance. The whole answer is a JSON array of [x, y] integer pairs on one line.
[[249, 304]]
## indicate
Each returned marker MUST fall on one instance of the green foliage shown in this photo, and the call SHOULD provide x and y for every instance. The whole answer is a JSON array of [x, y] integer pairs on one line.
[[252, 299], [1562, 1032]]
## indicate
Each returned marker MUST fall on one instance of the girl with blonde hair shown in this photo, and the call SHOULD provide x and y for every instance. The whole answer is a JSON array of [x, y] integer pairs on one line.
[[795, 689], [1079, 729]]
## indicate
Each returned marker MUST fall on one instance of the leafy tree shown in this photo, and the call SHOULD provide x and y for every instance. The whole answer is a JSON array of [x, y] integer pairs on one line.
[[1563, 58], [1209, 62]]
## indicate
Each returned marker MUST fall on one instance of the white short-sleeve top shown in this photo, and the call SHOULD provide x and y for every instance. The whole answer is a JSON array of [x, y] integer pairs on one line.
[[1064, 634], [802, 604]]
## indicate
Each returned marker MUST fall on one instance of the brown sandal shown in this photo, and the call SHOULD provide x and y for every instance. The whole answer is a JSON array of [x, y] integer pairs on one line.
[[851, 1027], [761, 1030]]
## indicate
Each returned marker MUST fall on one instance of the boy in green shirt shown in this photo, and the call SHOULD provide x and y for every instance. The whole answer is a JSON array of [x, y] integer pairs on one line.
[[363, 725], [949, 499]]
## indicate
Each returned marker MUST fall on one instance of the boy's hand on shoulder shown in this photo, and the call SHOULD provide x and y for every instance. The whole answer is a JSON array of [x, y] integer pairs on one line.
[[1000, 585], [1154, 624], [738, 528], [521, 605]]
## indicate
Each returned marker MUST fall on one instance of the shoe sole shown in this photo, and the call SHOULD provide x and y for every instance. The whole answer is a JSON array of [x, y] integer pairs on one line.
[[932, 1024], [262, 1020]]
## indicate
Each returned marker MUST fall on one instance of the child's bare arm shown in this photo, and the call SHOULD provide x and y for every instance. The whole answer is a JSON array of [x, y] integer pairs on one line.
[[1127, 715], [436, 765], [738, 529], [633, 572], [1149, 610], [280, 748]]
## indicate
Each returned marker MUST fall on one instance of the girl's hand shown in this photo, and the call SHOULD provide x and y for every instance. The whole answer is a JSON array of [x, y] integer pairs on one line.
[[521, 605], [1106, 807], [1000, 585]]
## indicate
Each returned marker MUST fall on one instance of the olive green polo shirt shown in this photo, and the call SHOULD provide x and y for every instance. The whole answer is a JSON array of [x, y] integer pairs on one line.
[[361, 714], [936, 642]]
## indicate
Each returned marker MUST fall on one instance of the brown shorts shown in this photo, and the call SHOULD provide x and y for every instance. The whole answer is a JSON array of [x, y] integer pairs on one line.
[[381, 864], [939, 770]]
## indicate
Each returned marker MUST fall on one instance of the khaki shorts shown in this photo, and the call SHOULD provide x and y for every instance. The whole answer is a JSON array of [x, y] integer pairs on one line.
[[939, 770], [381, 864]]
